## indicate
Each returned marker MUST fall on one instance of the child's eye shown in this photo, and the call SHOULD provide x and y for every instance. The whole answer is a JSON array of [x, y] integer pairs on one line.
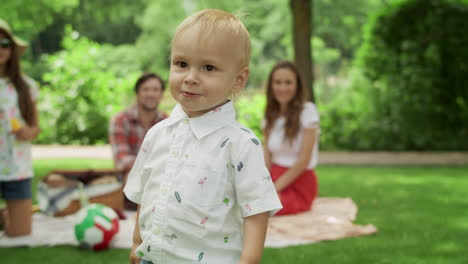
[[209, 67], [181, 64]]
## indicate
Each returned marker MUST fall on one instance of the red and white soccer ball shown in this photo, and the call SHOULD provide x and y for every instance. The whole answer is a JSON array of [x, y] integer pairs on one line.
[[95, 226]]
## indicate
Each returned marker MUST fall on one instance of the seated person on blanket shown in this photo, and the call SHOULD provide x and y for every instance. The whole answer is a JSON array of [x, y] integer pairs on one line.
[[128, 128], [291, 129]]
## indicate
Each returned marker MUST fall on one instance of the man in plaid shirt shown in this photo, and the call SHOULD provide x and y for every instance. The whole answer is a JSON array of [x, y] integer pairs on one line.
[[128, 128]]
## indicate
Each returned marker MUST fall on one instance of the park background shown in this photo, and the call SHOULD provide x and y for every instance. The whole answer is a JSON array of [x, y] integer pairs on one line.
[[389, 75]]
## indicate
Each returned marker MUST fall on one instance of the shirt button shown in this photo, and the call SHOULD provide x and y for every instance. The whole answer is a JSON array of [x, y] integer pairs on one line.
[[157, 231], [164, 190], [186, 121]]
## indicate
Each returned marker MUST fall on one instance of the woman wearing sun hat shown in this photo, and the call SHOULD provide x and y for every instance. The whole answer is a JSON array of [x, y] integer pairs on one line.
[[18, 127]]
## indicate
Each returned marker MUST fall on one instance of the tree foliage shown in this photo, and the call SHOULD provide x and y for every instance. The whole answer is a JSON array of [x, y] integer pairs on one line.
[[82, 94], [339, 22], [108, 21], [406, 91], [415, 54], [28, 19]]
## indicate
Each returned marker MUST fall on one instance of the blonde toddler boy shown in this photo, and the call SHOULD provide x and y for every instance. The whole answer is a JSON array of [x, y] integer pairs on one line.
[[200, 179]]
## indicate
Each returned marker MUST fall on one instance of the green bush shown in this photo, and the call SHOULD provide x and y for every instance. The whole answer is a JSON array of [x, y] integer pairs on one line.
[[345, 113], [82, 91], [416, 58], [250, 108]]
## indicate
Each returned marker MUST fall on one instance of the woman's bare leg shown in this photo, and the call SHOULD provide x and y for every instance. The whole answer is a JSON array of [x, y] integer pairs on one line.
[[18, 217]]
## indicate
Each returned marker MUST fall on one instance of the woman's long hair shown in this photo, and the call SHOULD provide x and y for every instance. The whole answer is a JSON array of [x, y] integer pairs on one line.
[[13, 72], [294, 108]]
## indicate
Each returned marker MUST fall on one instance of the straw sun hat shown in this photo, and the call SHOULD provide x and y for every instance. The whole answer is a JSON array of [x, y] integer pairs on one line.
[[20, 44]]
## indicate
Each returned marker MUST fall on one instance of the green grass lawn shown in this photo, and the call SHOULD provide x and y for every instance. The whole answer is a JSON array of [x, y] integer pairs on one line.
[[421, 214]]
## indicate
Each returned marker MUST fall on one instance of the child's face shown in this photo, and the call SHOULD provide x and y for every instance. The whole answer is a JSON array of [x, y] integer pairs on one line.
[[6, 48], [284, 85], [204, 73]]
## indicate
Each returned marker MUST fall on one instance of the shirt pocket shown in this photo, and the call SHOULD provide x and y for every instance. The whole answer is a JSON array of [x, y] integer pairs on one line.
[[203, 181]]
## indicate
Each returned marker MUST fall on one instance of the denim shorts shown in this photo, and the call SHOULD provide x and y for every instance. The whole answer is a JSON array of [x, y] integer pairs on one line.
[[16, 190], [145, 262]]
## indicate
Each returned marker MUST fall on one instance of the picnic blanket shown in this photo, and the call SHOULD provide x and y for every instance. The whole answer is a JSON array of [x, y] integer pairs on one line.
[[330, 219]]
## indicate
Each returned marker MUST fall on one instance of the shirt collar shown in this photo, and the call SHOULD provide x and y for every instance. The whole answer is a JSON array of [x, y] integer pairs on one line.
[[207, 123]]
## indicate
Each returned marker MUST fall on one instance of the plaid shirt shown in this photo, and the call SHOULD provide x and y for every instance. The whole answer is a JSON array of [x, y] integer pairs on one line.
[[126, 135]]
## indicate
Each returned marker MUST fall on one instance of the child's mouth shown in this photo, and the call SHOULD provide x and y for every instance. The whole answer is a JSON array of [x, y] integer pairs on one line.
[[189, 94]]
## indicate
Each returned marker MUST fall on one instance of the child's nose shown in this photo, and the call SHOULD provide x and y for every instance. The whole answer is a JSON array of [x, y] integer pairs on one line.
[[191, 78]]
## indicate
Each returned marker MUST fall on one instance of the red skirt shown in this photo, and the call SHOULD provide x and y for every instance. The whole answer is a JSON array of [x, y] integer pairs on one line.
[[299, 195]]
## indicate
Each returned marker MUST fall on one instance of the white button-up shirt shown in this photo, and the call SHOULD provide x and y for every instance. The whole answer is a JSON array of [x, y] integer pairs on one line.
[[195, 179]]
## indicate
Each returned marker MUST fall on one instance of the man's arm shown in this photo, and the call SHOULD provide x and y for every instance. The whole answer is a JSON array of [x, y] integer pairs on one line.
[[255, 228]]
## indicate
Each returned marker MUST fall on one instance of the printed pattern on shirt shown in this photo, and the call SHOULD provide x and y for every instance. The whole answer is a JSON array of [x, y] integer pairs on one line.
[[195, 186]]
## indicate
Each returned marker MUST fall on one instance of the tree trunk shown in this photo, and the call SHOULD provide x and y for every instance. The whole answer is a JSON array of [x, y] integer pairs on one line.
[[302, 31]]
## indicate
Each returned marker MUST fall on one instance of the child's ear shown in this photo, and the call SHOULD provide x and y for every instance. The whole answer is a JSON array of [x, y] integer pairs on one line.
[[241, 79]]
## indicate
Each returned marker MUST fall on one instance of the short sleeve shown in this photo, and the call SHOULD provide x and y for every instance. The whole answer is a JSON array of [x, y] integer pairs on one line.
[[309, 116], [138, 176], [254, 188], [33, 87]]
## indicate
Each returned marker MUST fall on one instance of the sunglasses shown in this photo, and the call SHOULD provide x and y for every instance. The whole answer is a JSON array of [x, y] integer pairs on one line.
[[6, 43]]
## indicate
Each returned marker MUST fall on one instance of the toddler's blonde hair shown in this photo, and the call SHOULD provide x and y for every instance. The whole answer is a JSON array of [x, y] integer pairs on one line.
[[212, 21]]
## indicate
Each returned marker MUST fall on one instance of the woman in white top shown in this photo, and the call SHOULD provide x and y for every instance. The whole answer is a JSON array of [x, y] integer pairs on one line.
[[291, 129]]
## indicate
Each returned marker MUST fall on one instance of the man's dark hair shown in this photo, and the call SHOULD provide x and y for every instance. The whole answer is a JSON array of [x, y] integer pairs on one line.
[[146, 76]]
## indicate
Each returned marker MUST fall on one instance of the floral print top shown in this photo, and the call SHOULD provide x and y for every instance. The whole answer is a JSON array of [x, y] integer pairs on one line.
[[195, 179], [15, 156]]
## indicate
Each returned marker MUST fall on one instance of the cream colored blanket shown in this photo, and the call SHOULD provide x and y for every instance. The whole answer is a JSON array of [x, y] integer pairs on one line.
[[330, 219]]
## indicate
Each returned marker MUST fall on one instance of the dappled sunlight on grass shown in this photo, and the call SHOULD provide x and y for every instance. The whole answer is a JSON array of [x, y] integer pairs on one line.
[[448, 247], [401, 179], [461, 222]]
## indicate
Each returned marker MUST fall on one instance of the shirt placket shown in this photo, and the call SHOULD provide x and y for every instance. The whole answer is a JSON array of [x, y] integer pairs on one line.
[[160, 215]]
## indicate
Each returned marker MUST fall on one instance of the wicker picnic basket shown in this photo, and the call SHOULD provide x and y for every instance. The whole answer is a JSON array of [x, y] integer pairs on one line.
[[58, 191]]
